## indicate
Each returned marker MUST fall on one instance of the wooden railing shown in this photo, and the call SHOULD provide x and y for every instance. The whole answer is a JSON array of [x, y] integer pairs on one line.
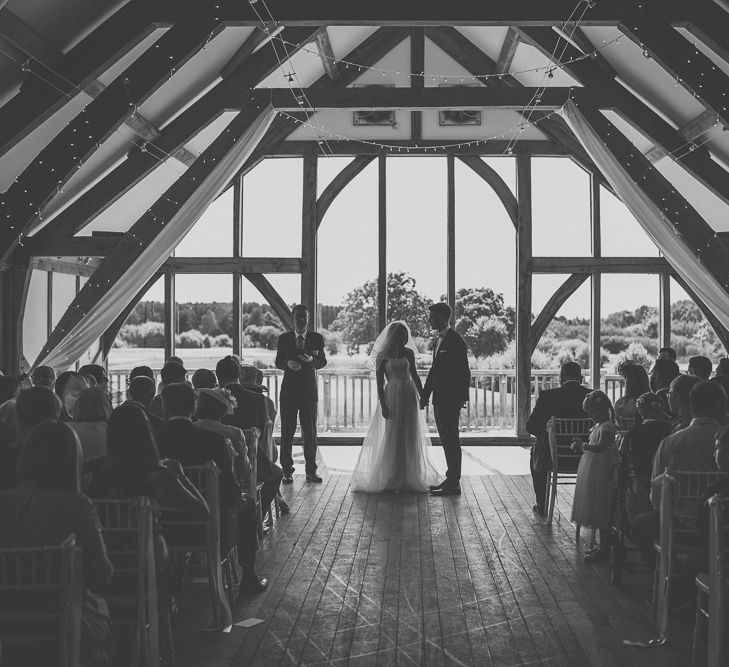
[[348, 397]]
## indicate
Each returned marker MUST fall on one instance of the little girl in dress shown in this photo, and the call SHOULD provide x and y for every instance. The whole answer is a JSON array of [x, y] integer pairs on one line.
[[592, 502]]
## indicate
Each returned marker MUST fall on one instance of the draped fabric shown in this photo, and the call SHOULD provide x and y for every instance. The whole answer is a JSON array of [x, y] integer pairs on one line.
[[675, 250], [105, 311]]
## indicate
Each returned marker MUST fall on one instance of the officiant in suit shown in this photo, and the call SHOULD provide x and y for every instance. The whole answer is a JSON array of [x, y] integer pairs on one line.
[[299, 354], [448, 381]]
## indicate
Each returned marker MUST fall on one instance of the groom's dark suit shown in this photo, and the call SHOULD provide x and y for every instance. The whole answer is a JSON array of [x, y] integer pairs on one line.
[[449, 380], [299, 395]]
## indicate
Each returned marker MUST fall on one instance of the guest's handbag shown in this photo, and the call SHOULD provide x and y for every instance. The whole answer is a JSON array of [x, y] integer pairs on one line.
[[541, 458]]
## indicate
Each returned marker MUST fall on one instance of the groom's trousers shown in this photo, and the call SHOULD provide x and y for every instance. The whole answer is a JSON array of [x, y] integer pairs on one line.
[[447, 418], [293, 409]]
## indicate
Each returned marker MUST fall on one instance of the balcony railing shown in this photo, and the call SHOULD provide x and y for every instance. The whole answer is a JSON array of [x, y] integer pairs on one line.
[[348, 398]]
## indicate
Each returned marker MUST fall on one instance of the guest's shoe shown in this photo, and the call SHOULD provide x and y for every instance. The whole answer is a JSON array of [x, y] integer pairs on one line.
[[252, 586], [314, 478], [539, 509], [447, 490], [435, 487], [283, 507], [287, 479]]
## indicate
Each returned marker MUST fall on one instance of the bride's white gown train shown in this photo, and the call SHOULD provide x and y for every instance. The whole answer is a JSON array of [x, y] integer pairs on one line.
[[394, 453]]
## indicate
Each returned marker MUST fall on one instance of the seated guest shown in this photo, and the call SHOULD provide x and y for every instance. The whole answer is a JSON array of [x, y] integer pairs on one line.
[[93, 410], [643, 439], [32, 407], [9, 388], [722, 368], [143, 371], [141, 390], [251, 378], [636, 384], [98, 373], [720, 487], [566, 402], [8, 421], [47, 507], [69, 386], [251, 407], [191, 445], [678, 401], [667, 353], [171, 373], [662, 374], [700, 367], [204, 378], [691, 448], [43, 376]]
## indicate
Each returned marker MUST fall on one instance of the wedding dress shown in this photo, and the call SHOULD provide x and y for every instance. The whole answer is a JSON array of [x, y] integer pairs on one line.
[[394, 453]]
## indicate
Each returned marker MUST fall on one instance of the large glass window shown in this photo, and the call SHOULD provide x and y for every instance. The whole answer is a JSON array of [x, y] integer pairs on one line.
[[691, 333], [622, 235], [212, 235]]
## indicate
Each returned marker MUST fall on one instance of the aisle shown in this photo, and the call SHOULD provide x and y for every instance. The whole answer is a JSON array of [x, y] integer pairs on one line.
[[410, 579]]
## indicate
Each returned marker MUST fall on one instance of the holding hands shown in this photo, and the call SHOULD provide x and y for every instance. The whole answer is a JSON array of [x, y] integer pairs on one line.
[[385, 410], [577, 445]]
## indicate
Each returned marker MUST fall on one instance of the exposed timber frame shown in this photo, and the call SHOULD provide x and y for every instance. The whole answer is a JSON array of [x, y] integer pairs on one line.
[[556, 301], [523, 291]]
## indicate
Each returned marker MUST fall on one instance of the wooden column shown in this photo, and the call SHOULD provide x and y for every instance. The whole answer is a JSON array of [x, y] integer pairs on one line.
[[382, 245], [170, 319], [49, 303], [14, 284], [596, 283], [308, 239], [451, 244], [664, 310], [237, 252], [417, 66], [523, 291]]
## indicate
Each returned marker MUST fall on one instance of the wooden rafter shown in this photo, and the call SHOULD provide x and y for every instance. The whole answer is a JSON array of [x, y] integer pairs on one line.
[[697, 162], [326, 55], [372, 49], [142, 161], [46, 90], [146, 229], [498, 185], [698, 236], [690, 132], [338, 183], [508, 51], [474, 60], [274, 299], [710, 24], [80, 139], [79, 266], [556, 301]]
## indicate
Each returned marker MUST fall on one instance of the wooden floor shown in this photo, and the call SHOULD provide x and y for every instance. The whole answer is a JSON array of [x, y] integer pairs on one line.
[[408, 579]]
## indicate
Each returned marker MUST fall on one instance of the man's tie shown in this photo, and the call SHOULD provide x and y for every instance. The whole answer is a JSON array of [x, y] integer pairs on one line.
[[300, 341]]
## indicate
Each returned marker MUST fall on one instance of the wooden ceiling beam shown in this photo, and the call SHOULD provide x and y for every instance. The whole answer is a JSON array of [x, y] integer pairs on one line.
[[142, 161], [79, 266], [326, 55], [689, 132], [697, 162], [382, 97], [51, 85], [474, 60], [243, 265], [80, 139], [710, 25], [508, 51], [599, 265], [688, 223], [147, 228]]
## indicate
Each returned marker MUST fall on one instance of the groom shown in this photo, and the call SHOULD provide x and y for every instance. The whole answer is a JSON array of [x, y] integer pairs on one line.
[[448, 380]]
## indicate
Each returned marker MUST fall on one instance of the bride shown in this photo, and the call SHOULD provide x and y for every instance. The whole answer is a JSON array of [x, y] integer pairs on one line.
[[394, 452]]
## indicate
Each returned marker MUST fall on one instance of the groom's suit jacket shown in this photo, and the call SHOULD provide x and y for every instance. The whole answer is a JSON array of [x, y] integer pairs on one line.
[[449, 378], [300, 385]]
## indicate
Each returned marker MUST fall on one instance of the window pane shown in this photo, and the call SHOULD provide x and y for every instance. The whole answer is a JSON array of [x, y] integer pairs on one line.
[[691, 333], [212, 235], [35, 318], [622, 235], [272, 195]]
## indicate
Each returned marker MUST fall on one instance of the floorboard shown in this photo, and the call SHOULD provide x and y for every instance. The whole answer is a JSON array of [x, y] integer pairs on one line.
[[410, 579]]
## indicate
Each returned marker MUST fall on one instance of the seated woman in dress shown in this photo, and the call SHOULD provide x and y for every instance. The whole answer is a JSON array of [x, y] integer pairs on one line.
[[69, 386], [93, 410], [636, 384], [47, 507]]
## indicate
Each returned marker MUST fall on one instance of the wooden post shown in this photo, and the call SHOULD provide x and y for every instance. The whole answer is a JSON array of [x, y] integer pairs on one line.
[[382, 246], [523, 291], [237, 252], [170, 319], [451, 244], [49, 304], [664, 310], [417, 67], [14, 283], [596, 283], [308, 239]]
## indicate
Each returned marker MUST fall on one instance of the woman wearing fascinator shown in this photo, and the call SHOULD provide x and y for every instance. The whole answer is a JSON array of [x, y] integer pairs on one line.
[[394, 453]]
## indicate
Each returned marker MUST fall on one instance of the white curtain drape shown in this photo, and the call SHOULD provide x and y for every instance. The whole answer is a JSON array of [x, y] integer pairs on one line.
[[101, 315], [675, 250]]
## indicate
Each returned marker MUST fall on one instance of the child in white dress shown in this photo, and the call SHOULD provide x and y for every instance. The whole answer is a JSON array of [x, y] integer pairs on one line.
[[592, 504]]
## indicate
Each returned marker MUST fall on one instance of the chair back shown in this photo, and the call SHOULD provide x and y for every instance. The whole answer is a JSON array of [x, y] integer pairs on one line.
[[561, 433], [267, 439], [40, 605], [253, 436], [718, 576], [132, 594]]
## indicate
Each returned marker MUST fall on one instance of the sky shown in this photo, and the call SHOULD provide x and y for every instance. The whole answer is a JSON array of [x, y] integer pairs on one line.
[[416, 232]]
